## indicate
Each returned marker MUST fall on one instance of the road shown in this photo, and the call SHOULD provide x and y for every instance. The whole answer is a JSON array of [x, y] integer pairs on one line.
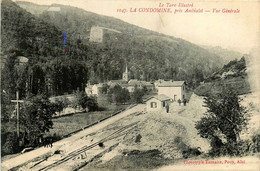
[[29, 156]]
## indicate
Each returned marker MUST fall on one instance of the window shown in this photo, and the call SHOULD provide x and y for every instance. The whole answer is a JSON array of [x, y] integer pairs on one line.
[[153, 105], [163, 104]]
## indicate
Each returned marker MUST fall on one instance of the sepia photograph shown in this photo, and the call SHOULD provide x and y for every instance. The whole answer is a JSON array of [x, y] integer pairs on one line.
[[130, 85]]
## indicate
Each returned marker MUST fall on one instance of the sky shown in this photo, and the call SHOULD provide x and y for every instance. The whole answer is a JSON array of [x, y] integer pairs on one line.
[[235, 31]]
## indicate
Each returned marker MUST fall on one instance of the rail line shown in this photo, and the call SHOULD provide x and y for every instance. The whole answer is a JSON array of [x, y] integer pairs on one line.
[[85, 148]]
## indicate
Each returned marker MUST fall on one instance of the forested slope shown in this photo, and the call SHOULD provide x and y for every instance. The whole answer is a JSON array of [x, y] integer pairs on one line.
[[149, 55]]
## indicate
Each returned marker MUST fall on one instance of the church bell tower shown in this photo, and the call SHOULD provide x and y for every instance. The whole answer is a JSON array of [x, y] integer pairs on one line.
[[126, 75]]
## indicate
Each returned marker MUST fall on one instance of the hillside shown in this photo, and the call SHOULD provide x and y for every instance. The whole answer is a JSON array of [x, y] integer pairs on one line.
[[29, 35], [225, 54], [152, 55], [232, 75]]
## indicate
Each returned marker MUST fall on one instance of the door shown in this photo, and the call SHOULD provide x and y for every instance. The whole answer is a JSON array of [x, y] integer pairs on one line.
[[174, 97]]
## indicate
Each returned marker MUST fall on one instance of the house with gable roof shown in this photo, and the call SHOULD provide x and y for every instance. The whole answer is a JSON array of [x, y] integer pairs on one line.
[[138, 84], [158, 102], [174, 89]]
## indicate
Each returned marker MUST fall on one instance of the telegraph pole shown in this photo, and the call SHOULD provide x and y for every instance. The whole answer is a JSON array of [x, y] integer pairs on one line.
[[17, 101]]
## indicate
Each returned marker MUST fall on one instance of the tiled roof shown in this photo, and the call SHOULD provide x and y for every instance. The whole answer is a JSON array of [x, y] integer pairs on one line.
[[171, 84], [134, 82], [117, 81], [160, 97], [99, 85]]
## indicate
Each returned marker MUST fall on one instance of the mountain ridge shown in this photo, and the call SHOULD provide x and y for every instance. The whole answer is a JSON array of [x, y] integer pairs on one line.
[[152, 55]]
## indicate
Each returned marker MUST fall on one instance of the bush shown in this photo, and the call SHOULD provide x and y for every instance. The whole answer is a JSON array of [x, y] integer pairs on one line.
[[255, 144], [11, 144], [186, 150], [239, 148]]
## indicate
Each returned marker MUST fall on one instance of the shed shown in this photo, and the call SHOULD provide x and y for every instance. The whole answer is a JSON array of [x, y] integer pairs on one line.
[[158, 102]]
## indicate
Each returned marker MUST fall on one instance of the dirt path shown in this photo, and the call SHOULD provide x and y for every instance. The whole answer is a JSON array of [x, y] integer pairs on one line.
[[40, 152]]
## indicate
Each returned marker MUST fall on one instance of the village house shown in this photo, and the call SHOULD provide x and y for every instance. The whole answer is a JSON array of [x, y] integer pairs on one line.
[[138, 84], [89, 90], [96, 89], [174, 89], [158, 102], [116, 82], [130, 85]]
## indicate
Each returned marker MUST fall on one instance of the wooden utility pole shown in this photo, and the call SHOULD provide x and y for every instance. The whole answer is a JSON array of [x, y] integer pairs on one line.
[[17, 101]]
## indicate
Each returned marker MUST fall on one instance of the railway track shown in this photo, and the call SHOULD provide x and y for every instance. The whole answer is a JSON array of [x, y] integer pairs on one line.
[[116, 134]]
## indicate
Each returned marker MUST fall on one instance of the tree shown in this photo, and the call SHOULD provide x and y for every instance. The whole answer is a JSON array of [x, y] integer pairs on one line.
[[84, 101], [137, 95], [118, 94], [224, 120], [36, 117]]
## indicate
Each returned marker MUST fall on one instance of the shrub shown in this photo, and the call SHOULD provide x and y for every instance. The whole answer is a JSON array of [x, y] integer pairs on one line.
[[185, 149], [255, 144], [11, 144]]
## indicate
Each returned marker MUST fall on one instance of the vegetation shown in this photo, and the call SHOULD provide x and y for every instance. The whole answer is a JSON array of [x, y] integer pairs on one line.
[[137, 95], [36, 118], [9, 143], [117, 94], [51, 72], [232, 75], [224, 120], [86, 102], [226, 54], [152, 55], [59, 105]]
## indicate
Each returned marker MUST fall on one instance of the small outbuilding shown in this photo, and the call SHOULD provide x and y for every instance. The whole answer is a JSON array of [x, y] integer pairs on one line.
[[158, 102]]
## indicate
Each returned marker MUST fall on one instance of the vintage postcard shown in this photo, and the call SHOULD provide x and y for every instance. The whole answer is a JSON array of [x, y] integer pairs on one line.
[[130, 85]]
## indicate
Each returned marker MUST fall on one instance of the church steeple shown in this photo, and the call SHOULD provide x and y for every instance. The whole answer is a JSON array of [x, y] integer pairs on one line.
[[126, 74], [126, 70]]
